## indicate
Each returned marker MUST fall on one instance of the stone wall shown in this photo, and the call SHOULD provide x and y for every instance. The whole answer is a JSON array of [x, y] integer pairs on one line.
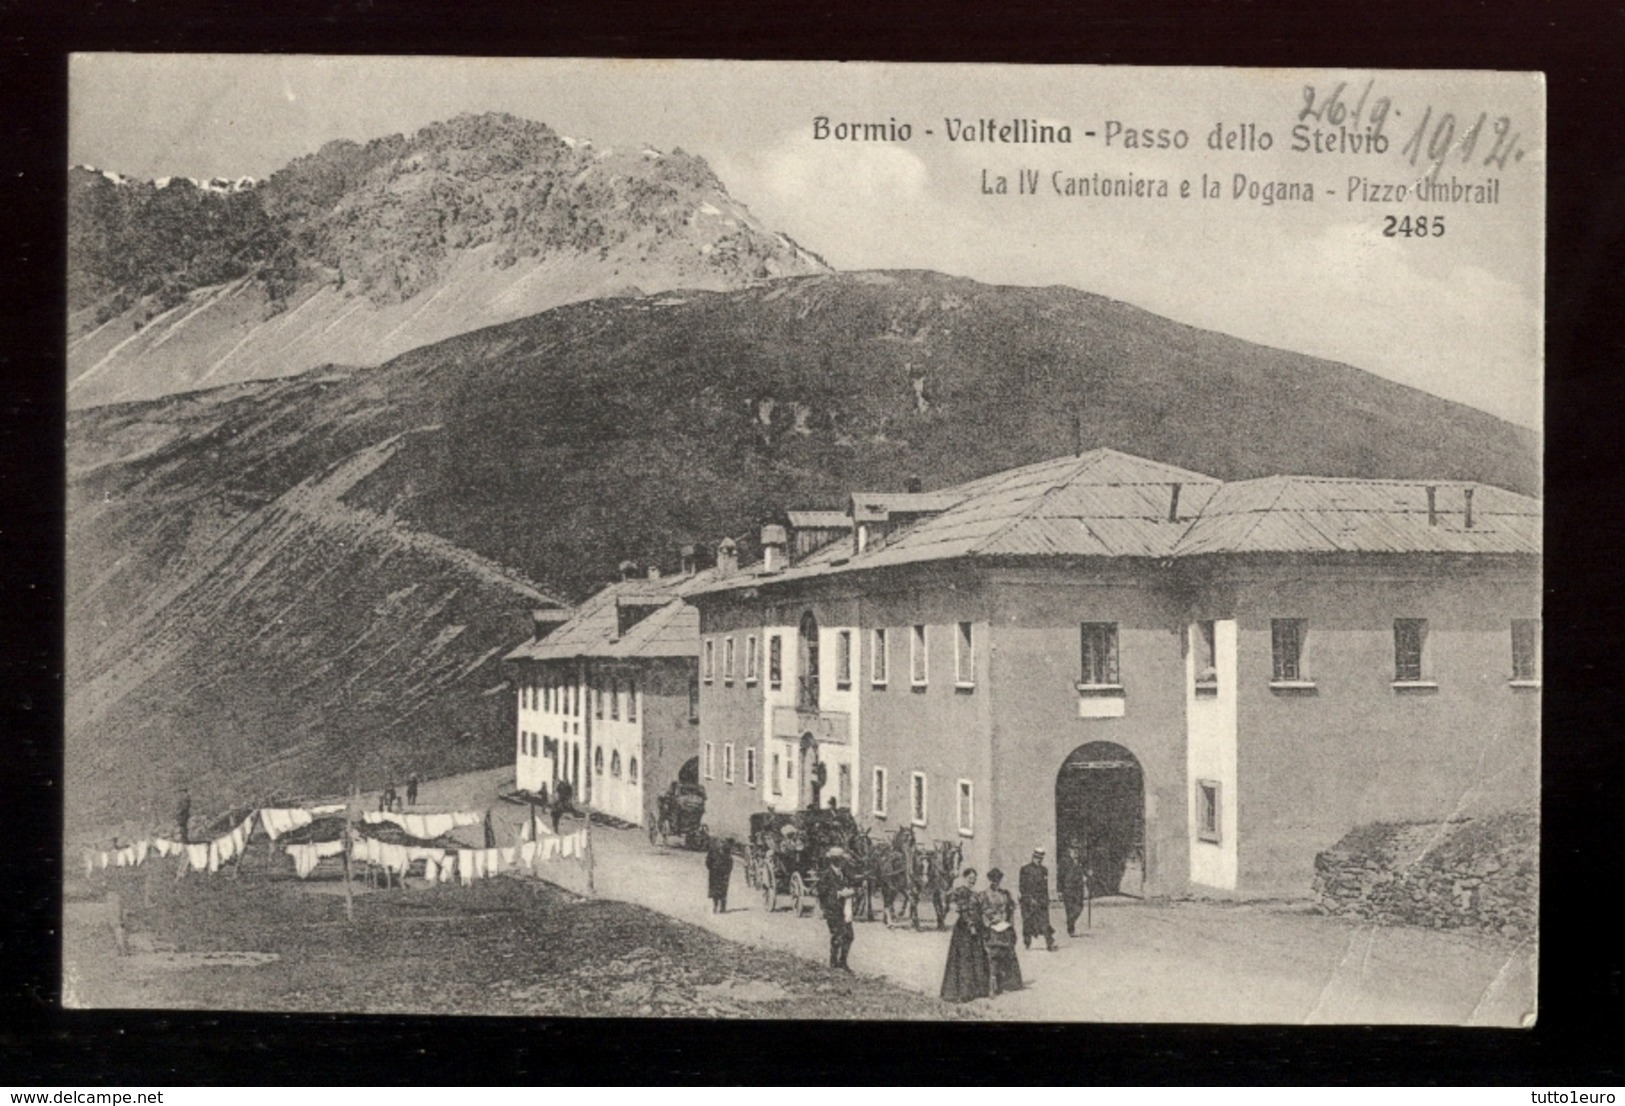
[[1478, 873]]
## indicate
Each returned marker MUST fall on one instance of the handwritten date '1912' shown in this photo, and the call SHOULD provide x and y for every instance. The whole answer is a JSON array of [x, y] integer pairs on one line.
[[1433, 142]]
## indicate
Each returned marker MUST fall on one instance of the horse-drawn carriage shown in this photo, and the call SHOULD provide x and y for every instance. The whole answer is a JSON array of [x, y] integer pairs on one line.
[[786, 849], [680, 812]]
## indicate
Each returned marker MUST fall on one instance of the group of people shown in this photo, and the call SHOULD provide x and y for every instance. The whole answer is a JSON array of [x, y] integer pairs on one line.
[[982, 951], [390, 799]]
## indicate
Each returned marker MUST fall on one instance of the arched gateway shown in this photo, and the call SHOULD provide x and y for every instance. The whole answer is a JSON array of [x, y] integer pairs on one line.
[[1100, 808]]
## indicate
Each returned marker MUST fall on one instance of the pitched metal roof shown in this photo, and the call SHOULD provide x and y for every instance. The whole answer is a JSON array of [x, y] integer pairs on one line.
[[1319, 514], [1109, 504], [671, 630]]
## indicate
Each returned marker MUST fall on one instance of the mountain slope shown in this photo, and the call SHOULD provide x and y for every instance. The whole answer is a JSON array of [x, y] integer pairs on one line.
[[293, 582], [358, 252]]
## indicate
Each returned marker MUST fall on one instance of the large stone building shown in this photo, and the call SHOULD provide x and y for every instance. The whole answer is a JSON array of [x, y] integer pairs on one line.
[[608, 695], [1201, 684]]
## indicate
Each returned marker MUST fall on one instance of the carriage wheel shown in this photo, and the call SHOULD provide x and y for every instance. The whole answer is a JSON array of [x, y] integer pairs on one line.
[[798, 889]]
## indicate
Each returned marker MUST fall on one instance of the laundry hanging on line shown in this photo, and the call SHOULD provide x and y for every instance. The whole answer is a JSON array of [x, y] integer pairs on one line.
[[425, 827], [306, 857]]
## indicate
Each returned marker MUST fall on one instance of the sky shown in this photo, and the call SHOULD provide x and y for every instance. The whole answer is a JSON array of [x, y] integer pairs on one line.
[[1457, 314]]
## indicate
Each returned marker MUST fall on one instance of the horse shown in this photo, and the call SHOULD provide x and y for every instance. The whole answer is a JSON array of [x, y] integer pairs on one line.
[[939, 867]]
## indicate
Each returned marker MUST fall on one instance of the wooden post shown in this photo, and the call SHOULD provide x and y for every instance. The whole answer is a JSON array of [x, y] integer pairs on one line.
[[349, 895], [590, 890]]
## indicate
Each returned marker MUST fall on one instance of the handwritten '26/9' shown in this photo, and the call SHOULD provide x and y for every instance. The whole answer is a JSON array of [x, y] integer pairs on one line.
[[1433, 142]]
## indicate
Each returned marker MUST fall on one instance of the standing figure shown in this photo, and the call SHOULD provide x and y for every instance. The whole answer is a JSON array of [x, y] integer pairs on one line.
[[835, 897], [999, 935], [1033, 885], [966, 975], [412, 790], [563, 799], [719, 869], [387, 800], [1074, 880], [183, 816], [820, 775]]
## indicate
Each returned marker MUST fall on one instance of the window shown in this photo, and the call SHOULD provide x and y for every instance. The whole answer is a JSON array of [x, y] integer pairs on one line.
[[632, 769], [728, 762], [597, 698], [693, 699], [750, 767], [916, 797], [916, 656], [598, 760], [877, 793], [615, 699], [1207, 810], [877, 660], [1410, 635], [728, 660], [967, 808], [843, 787], [708, 670], [843, 658], [1286, 647], [964, 656], [750, 659], [521, 742], [615, 764], [1526, 650], [631, 700], [774, 779], [710, 760], [1207, 658], [775, 660], [1100, 654]]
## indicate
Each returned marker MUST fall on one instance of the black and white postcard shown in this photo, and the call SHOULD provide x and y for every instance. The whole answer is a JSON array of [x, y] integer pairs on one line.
[[803, 540]]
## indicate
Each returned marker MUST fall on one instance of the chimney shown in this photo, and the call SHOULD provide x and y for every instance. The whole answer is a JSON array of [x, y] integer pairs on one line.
[[1173, 505], [629, 569], [1433, 511], [691, 559], [1467, 494], [773, 543], [654, 572], [727, 557], [915, 487], [1077, 435]]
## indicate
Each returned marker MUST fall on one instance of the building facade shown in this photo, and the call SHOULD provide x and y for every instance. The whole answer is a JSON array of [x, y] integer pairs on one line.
[[1199, 684], [608, 697]]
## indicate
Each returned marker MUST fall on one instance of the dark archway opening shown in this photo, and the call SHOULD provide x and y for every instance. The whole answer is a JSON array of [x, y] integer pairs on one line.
[[1100, 810]]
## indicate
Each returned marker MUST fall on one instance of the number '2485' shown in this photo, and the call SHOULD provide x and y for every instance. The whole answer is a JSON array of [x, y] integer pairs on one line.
[[1413, 226]]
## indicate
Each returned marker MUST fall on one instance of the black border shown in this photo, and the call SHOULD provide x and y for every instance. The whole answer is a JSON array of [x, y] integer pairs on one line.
[[1576, 1041]]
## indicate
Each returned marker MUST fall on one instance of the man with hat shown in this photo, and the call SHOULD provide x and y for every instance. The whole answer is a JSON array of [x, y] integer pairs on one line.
[[835, 895], [1034, 889]]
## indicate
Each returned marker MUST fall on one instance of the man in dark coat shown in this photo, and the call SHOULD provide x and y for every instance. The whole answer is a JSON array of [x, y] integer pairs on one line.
[[412, 790], [719, 869], [835, 897], [183, 816], [1034, 888], [564, 797], [1074, 879]]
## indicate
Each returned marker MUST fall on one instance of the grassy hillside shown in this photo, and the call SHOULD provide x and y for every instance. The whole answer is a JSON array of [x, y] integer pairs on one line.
[[287, 583]]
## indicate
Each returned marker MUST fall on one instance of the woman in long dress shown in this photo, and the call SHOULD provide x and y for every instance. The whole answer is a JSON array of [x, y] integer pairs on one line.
[[999, 935], [965, 977]]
